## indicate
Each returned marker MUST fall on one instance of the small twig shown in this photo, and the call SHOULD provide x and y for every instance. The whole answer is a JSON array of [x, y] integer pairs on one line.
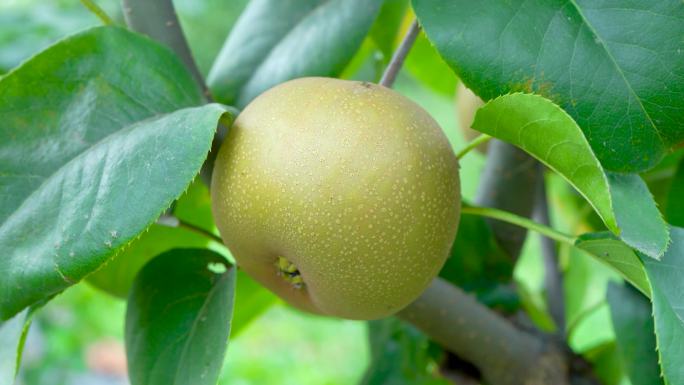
[[97, 11], [482, 138], [400, 55], [553, 278], [173, 221], [520, 221]]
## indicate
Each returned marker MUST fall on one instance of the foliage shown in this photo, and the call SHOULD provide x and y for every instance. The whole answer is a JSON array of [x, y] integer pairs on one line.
[[102, 130]]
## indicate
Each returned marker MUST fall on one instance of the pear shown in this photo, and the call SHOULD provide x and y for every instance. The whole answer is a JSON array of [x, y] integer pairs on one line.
[[342, 197]]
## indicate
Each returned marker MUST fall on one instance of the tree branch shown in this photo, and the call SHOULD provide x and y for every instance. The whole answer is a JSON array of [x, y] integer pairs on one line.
[[399, 56], [158, 20], [508, 183], [504, 354]]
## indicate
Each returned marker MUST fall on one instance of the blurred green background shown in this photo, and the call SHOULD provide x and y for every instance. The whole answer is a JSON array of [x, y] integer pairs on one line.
[[77, 338]]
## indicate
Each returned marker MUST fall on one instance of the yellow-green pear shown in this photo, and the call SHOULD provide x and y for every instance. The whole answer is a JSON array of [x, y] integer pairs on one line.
[[342, 197]]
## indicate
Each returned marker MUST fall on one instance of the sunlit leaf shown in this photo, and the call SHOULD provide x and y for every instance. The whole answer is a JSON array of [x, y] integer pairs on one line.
[[616, 67]]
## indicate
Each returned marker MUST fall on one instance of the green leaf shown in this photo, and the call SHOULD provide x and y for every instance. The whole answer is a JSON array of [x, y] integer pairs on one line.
[[617, 67], [251, 300], [667, 287], [76, 93], [399, 355], [275, 40], [608, 249], [425, 64], [193, 207], [12, 334], [385, 30], [89, 158], [635, 338], [116, 277], [606, 364], [478, 264], [28, 27], [675, 203], [99, 201], [178, 318], [546, 132]]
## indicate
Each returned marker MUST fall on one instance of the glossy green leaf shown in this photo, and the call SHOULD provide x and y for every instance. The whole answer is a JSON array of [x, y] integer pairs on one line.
[[667, 287], [610, 250], [399, 355], [76, 93], [546, 132], [251, 300], [634, 332], [675, 202], [617, 67], [178, 318], [277, 40], [99, 201], [12, 333], [89, 158]]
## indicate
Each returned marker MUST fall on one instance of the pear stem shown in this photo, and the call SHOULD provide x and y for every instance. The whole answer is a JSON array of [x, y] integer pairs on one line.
[[399, 56], [482, 138]]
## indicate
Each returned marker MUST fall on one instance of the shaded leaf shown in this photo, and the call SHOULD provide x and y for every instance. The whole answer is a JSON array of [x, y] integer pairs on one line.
[[251, 300], [608, 249], [478, 264], [667, 287], [399, 355], [193, 207], [275, 40], [546, 132], [675, 202], [116, 277], [178, 318], [634, 334], [605, 360], [616, 67]]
